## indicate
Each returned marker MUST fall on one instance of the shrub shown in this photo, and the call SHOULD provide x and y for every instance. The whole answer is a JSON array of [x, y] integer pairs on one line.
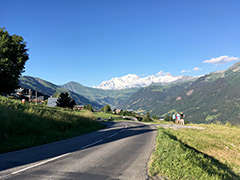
[[168, 118]]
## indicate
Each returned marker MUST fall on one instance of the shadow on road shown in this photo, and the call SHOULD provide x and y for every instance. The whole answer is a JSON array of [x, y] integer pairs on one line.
[[51, 150]]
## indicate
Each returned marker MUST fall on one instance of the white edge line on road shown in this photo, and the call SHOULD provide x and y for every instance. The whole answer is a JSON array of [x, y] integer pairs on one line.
[[92, 144], [35, 165]]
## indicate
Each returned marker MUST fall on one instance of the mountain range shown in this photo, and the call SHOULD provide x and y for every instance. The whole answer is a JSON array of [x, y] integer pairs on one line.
[[103, 97], [81, 94], [48, 88], [135, 81], [214, 97]]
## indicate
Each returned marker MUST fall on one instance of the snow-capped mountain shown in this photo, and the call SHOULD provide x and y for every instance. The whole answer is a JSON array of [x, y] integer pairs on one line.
[[133, 80]]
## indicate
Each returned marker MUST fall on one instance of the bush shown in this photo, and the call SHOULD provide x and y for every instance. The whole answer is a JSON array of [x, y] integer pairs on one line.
[[126, 113], [147, 118], [106, 109], [168, 118], [155, 117]]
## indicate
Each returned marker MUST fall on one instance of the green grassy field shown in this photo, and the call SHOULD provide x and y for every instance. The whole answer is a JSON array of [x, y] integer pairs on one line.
[[211, 153], [105, 115], [27, 125]]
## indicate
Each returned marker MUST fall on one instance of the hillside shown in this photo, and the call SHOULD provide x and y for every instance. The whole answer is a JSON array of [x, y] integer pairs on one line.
[[147, 98], [49, 89], [214, 97], [103, 97]]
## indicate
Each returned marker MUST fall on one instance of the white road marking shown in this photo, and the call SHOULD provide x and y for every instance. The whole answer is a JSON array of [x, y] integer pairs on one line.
[[35, 165], [92, 144], [52, 159], [113, 135], [117, 132]]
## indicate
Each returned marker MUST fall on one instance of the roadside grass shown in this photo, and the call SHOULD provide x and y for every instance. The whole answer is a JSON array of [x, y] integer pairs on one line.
[[103, 115], [219, 141], [197, 154], [27, 125]]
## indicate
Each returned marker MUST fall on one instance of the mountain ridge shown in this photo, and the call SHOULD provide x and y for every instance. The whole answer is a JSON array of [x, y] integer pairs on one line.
[[103, 97], [133, 80], [49, 89], [214, 97]]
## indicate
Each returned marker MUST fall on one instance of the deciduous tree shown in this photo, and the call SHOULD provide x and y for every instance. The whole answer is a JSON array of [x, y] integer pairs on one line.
[[89, 107], [13, 56], [106, 109]]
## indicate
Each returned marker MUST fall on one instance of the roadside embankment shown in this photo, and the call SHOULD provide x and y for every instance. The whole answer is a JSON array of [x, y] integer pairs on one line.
[[27, 125], [206, 152]]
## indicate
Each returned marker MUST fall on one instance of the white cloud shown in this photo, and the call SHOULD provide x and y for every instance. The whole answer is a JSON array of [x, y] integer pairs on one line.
[[221, 60], [161, 73], [184, 71], [197, 69]]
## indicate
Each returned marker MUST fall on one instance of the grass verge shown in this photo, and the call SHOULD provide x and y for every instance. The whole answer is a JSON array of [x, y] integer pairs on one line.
[[175, 158], [28, 125]]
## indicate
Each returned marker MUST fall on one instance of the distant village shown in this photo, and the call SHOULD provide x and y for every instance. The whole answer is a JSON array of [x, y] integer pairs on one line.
[[29, 95]]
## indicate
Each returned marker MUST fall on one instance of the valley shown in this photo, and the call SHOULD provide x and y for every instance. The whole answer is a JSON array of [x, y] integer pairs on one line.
[[212, 98]]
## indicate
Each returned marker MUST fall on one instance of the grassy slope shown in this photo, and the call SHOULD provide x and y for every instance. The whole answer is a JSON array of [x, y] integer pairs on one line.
[[212, 153], [27, 125], [105, 115]]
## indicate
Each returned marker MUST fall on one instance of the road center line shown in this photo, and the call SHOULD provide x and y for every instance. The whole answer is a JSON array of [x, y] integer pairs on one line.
[[92, 144], [35, 165], [113, 135], [52, 159], [117, 132]]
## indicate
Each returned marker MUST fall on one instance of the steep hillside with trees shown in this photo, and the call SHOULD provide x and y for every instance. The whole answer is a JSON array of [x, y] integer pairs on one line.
[[147, 98], [212, 98]]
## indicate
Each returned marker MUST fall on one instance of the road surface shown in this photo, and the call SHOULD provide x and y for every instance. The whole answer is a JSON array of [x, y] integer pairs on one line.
[[120, 151]]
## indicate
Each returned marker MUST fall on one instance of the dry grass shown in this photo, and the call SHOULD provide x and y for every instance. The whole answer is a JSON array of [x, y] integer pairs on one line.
[[175, 159], [219, 141]]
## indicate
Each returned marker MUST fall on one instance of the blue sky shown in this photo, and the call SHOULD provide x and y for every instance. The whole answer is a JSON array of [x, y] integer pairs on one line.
[[90, 41]]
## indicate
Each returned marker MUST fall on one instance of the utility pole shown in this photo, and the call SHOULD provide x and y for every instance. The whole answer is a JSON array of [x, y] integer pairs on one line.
[[30, 93], [36, 96]]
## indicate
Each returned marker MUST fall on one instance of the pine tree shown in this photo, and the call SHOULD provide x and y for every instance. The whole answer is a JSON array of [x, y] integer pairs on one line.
[[65, 101], [147, 117]]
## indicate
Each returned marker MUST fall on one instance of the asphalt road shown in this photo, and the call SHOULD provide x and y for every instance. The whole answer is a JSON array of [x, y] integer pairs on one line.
[[120, 151]]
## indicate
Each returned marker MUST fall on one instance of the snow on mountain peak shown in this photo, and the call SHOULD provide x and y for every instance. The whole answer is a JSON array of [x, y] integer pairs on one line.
[[133, 80]]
